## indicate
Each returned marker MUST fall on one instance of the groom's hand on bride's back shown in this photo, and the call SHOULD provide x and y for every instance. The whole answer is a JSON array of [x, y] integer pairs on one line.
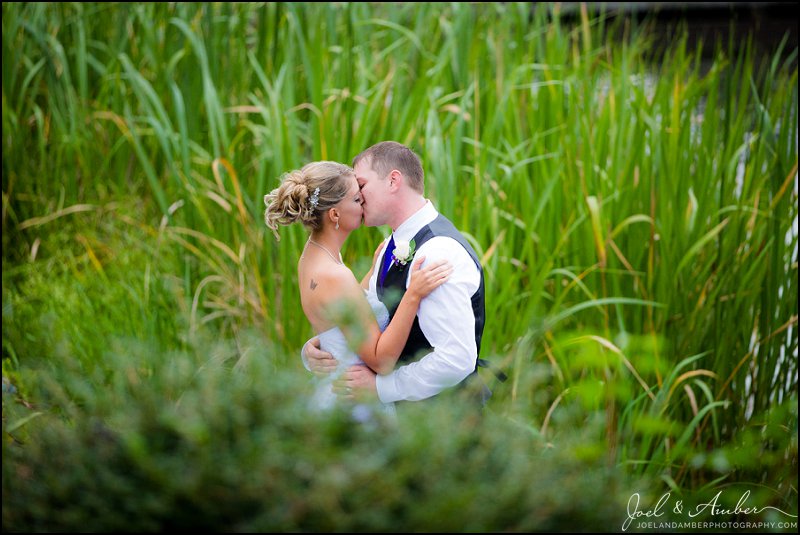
[[320, 362]]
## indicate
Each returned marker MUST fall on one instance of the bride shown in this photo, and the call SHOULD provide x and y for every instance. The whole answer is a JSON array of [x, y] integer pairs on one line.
[[326, 198]]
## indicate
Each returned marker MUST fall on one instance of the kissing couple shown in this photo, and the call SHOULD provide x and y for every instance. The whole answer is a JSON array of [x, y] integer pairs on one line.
[[419, 312]]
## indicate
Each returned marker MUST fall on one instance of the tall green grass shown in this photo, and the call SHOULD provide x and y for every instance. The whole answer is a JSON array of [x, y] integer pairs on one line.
[[634, 203]]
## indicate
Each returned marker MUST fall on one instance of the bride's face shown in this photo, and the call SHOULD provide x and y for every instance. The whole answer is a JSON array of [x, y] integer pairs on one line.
[[350, 212]]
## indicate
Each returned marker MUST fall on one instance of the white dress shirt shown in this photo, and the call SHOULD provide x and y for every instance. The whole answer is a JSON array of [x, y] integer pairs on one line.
[[445, 317]]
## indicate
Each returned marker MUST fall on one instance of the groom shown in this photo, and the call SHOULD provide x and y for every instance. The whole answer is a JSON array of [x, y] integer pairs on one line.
[[444, 343]]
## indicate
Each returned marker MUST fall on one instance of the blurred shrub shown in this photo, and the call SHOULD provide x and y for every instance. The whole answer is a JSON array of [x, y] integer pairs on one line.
[[217, 438]]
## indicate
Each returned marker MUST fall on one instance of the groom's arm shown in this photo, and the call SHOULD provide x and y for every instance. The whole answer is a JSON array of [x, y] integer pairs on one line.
[[448, 322]]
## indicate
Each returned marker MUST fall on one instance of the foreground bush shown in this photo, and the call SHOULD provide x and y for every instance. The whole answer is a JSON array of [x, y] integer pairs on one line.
[[180, 441]]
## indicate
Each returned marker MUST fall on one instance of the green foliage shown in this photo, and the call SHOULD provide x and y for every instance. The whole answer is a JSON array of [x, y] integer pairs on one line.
[[634, 205], [217, 438], [92, 280]]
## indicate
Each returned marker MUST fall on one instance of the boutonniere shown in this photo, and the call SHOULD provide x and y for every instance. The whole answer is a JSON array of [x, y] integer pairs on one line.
[[403, 252]]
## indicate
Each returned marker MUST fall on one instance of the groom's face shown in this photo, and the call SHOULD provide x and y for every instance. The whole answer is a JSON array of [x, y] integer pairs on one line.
[[374, 194]]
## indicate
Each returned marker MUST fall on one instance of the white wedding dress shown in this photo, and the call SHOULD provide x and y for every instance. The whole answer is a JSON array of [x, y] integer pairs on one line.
[[334, 342]]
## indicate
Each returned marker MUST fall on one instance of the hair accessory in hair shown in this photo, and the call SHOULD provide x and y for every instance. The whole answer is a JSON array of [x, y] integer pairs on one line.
[[314, 199]]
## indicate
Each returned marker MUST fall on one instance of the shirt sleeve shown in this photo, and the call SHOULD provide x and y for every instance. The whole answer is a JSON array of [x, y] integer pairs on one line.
[[448, 322]]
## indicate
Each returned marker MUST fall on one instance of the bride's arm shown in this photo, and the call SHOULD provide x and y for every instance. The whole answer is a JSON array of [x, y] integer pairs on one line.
[[392, 341], [380, 351]]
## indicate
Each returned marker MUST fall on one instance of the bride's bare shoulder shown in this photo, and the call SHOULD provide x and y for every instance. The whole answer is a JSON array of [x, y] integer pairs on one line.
[[327, 277]]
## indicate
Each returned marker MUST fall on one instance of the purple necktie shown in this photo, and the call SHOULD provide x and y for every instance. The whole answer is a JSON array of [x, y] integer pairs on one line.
[[387, 260]]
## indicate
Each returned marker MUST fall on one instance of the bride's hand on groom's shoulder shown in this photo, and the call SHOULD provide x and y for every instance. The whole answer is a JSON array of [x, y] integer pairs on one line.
[[427, 279]]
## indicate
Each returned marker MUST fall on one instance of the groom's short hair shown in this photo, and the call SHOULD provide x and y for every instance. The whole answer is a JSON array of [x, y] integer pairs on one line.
[[385, 156]]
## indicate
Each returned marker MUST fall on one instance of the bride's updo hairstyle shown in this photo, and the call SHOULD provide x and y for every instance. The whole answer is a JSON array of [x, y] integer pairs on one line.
[[306, 194]]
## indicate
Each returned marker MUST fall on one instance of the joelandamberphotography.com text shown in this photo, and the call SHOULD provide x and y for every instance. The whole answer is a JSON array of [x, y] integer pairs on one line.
[[642, 525], [713, 514]]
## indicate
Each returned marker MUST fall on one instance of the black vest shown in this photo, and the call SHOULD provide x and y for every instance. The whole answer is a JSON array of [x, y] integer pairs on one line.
[[394, 286]]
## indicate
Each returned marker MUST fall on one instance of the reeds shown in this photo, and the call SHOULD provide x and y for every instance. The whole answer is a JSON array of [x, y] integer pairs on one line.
[[635, 206]]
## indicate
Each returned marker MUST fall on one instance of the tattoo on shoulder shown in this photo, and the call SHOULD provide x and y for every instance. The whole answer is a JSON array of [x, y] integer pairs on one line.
[[314, 284]]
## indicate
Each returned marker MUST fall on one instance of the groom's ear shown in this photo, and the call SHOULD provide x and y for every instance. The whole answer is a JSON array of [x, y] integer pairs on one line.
[[396, 180]]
